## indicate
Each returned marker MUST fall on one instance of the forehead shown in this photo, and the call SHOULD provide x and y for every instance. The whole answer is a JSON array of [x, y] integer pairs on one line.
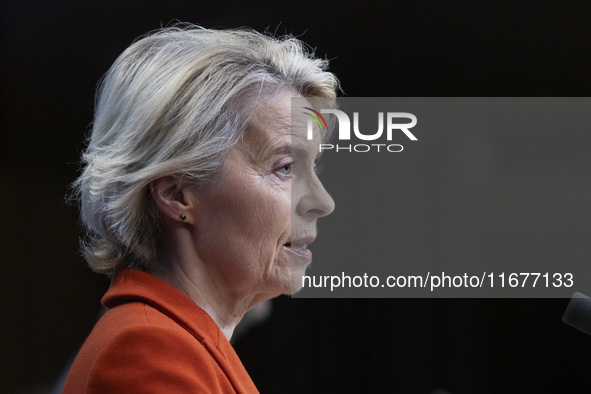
[[273, 125]]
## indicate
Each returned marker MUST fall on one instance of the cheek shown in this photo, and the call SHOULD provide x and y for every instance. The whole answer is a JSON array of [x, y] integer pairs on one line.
[[255, 218], [269, 229], [269, 218]]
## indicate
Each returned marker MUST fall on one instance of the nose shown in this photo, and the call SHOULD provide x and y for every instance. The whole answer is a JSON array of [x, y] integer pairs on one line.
[[315, 201]]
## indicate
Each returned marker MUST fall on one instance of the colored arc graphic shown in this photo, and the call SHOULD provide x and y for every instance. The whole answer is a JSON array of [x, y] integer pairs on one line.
[[316, 119]]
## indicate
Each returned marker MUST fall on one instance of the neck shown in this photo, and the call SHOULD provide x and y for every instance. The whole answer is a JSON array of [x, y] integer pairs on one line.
[[187, 272]]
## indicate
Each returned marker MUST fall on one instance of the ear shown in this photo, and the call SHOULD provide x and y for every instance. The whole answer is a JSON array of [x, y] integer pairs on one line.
[[175, 201]]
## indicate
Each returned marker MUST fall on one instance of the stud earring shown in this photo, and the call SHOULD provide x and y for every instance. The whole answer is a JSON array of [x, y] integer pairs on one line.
[[183, 217]]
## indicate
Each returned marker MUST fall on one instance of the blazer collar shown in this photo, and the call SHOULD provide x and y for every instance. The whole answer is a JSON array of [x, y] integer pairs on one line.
[[130, 285]]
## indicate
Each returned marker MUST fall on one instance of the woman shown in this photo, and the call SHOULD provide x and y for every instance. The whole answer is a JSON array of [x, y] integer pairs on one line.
[[200, 201]]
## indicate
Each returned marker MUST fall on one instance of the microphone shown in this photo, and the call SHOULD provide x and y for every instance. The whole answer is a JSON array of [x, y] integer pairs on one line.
[[578, 313]]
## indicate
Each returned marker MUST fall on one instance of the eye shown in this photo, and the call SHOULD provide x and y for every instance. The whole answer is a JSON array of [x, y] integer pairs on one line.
[[285, 169]]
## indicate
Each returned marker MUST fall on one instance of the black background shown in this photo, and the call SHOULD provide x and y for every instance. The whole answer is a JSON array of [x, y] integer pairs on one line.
[[53, 54]]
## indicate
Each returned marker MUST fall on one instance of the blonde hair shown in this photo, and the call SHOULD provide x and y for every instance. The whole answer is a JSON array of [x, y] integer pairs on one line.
[[173, 104]]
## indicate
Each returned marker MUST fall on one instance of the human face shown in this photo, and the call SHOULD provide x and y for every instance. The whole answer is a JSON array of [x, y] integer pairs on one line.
[[253, 228]]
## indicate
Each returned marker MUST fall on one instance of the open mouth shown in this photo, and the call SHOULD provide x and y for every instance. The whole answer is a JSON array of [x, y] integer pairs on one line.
[[295, 246], [299, 248]]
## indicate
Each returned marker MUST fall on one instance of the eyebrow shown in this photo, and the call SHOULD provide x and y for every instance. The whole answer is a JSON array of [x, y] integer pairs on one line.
[[294, 151], [283, 149]]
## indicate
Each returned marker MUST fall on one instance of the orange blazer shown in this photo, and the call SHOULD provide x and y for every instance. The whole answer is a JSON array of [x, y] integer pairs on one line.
[[155, 339]]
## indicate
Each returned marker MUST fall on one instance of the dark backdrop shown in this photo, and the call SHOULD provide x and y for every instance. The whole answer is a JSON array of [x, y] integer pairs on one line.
[[52, 55]]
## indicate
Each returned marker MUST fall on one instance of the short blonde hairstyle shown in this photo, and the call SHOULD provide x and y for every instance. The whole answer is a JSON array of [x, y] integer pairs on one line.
[[173, 104]]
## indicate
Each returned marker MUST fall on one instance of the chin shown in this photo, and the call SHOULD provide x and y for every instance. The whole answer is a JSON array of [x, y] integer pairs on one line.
[[296, 279]]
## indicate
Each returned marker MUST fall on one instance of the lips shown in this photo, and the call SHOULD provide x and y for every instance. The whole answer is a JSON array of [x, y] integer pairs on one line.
[[298, 247]]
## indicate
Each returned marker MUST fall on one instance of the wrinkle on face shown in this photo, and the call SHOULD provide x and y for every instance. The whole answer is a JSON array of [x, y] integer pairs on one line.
[[252, 214]]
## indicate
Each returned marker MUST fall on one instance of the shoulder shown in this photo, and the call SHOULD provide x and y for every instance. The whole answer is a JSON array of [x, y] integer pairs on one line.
[[136, 348]]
